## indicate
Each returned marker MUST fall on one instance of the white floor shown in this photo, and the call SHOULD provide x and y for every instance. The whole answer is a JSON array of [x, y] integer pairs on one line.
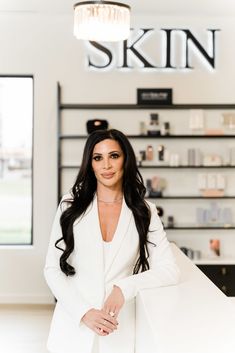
[[24, 329]]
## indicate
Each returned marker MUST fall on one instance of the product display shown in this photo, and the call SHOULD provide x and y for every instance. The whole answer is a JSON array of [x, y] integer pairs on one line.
[[174, 160], [153, 128], [161, 152], [227, 217], [214, 216], [182, 193], [212, 160], [149, 153], [228, 121], [215, 247], [142, 155], [192, 254], [143, 130], [165, 129], [160, 211], [196, 121], [212, 185], [194, 157], [231, 154], [96, 124], [170, 222], [155, 187]]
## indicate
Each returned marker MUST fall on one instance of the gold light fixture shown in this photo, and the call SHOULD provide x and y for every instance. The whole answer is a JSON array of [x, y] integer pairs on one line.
[[101, 21]]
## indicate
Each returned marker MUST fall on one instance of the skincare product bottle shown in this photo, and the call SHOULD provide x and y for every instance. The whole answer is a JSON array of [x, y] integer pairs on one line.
[[202, 181], [148, 187], [161, 153], [142, 128], [142, 156], [220, 181], [170, 222], [149, 153], [165, 129], [153, 127]]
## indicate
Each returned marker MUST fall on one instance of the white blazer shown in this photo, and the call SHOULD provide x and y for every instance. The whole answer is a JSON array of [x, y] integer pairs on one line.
[[94, 279]]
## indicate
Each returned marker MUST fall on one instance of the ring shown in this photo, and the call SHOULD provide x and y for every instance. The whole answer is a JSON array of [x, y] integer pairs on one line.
[[111, 313]]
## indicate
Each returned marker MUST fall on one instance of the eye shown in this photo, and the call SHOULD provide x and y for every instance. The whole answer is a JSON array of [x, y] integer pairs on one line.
[[115, 155], [96, 158]]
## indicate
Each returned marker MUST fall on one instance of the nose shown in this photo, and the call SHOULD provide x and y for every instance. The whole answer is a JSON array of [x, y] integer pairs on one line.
[[107, 163]]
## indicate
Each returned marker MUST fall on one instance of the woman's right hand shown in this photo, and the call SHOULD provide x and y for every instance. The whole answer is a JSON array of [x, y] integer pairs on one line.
[[100, 322]]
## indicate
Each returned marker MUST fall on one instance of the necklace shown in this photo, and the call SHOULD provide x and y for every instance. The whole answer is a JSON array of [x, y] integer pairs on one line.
[[114, 201]]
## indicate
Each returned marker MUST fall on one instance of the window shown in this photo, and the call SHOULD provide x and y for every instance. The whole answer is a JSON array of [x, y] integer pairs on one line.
[[16, 124]]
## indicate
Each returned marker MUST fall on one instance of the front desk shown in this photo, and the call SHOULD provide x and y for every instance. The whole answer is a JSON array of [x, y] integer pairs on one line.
[[191, 317]]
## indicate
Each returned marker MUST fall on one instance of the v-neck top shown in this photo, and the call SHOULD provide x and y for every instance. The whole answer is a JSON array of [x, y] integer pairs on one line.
[[117, 225], [107, 245]]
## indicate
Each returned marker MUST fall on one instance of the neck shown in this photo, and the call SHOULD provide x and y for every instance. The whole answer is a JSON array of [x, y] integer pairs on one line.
[[109, 195]]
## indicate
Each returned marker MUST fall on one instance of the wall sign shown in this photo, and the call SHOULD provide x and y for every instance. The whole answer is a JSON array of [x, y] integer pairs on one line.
[[154, 96], [178, 46]]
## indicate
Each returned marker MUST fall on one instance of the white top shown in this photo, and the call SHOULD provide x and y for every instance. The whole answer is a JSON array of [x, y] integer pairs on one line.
[[106, 246]]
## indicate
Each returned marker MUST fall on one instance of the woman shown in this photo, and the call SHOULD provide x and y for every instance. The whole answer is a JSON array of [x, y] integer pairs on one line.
[[107, 243]]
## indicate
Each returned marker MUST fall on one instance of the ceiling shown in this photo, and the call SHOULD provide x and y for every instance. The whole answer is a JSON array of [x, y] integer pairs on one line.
[[163, 7]]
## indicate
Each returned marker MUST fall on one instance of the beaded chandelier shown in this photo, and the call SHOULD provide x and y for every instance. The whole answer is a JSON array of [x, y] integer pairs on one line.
[[101, 21]]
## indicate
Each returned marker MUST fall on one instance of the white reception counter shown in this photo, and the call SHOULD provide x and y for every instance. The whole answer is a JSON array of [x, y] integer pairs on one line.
[[192, 317]]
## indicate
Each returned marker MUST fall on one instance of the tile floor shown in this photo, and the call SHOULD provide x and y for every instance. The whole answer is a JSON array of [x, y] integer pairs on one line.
[[24, 328]]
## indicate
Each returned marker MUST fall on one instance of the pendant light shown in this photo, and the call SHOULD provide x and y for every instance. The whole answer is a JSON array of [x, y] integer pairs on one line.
[[101, 21]]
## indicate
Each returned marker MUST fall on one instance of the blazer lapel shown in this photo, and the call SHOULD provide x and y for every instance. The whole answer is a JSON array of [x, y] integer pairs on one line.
[[119, 235]]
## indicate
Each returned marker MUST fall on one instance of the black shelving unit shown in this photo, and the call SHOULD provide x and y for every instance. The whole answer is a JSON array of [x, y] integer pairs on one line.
[[142, 107], [199, 228], [162, 167], [70, 106], [230, 288], [71, 137]]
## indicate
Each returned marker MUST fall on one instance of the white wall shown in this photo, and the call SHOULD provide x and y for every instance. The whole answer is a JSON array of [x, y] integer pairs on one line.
[[43, 45]]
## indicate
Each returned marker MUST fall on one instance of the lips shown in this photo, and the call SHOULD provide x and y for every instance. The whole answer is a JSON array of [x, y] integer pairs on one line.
[[108, 175]]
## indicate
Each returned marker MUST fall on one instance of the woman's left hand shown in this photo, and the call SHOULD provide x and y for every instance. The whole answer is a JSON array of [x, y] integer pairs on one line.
[[114, 302]]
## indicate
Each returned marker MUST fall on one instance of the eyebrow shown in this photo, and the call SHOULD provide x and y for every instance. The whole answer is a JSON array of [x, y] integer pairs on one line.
[[100, 154]]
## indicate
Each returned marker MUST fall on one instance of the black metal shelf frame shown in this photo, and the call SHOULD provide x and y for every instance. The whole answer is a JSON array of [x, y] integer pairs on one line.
[[72, 106], [62, 106], [163, 167], [199, 228], [74, 137]]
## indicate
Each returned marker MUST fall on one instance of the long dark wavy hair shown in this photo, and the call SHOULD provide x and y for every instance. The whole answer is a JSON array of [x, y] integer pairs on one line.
[[84, 189]]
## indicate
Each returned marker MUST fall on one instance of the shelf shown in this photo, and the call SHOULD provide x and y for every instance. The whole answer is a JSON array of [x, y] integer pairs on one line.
[[185, 135], [186, 167], [189, 197], [216, 261], [74, 137], [199, 228], [180, 136], [163, 167], [145, 107]]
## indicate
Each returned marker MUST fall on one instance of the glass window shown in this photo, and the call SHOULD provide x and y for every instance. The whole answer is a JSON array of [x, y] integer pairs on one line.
[[16, 136]]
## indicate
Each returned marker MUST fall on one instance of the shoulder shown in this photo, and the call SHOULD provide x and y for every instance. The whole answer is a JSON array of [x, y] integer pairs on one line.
[[65, 201], [151, 206], [155, 222], [67, 197]]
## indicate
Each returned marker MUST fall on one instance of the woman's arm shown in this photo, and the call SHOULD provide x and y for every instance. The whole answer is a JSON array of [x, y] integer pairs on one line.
[[61, 285], [163, 269]]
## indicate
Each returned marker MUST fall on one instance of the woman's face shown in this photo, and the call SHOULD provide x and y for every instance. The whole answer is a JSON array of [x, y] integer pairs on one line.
[[107, 163]]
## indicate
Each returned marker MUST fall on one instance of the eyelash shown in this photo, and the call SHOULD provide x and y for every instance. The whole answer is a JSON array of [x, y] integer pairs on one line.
[[113, 156], [97, 158]]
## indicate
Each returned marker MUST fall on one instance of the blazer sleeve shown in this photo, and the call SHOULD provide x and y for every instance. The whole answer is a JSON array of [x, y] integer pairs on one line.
[[62, 286], [163, 269]]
